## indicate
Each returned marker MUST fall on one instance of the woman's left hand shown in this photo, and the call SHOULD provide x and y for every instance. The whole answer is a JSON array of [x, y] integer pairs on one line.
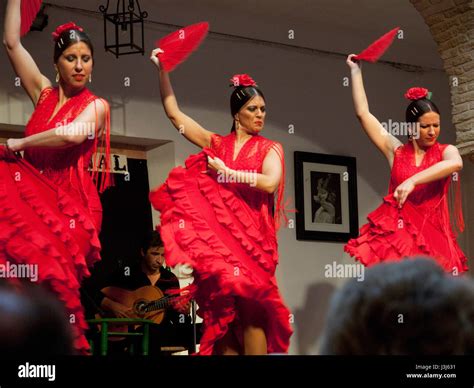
[[403, 190], [15, 145], [216, 164]]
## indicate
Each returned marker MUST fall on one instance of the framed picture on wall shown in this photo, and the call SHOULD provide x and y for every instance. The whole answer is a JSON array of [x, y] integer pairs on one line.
[[326, 197]]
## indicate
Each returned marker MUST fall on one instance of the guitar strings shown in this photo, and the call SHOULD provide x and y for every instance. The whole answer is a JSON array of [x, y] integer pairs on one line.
[[159, 301]]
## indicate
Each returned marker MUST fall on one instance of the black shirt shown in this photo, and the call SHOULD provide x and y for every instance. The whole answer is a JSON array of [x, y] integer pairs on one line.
[[132, 277]]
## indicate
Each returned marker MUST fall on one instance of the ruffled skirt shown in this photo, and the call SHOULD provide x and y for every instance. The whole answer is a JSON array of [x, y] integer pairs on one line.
[[394, 234], [206, 225], [42, 225]]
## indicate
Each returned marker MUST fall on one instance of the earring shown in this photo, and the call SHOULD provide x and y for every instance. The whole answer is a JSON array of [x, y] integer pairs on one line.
[[237, 125], [90, 78], [57, 76]]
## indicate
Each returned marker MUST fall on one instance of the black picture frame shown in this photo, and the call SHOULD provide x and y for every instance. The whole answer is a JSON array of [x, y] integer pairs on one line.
[[325, 197]]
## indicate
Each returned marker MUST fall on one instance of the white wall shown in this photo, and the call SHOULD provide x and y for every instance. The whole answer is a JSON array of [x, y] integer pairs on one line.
[[302, 89]]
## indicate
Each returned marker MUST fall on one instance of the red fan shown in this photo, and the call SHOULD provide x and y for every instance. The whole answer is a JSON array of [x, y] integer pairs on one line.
[[29, 10], [376, 49], [178, 45]]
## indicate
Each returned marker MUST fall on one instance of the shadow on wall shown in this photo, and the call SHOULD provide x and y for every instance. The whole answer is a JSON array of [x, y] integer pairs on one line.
[[466, 239], [310, 319]]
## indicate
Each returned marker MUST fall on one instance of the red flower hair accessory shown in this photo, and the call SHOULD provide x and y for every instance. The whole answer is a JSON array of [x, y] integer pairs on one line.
[[417, 94], [242, 80], [65, 27]]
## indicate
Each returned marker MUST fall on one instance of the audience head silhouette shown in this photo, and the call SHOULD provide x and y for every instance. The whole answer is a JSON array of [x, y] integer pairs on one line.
[[410, 307], [32, 322]]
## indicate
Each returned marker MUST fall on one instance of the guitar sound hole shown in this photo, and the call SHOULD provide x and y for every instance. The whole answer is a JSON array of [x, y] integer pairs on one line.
[[141, 308]]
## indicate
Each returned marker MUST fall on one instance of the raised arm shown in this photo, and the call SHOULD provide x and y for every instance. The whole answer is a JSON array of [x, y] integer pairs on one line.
[[191, 130], [25, 67], [74, 133], [382, 139]]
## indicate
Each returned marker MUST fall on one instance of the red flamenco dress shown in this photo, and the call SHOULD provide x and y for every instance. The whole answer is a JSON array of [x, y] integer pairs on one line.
[[227, 233], [421, 227], [50, 211]]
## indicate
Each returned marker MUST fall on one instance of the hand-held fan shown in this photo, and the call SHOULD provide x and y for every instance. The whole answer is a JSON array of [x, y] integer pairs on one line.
[[29, 10], [376, 49], [178, 45]]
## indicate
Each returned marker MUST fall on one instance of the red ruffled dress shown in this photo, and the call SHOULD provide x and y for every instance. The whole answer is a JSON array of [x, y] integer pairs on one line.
[[421, 227], [50, 211], [227, 232]]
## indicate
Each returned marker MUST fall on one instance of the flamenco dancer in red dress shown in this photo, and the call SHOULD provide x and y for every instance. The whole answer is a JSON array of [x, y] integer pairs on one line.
[[221, 222], [50, 212], [414, 217]]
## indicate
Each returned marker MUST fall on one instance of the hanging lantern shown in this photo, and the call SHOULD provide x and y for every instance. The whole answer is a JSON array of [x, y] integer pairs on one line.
[[123, 29]]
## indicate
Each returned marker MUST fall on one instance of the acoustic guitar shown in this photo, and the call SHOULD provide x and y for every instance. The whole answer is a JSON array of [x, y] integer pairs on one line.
[[146, 302]]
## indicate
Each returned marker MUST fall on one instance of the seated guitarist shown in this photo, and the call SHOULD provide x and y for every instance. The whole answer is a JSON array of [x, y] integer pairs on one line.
[[148, 271]]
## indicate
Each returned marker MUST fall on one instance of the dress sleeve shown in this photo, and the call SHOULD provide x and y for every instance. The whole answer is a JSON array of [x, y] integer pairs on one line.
[[216, 141], [442, 147], [281, 211], [102, 145], [455, 197], [279, 150], [44, 95]]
